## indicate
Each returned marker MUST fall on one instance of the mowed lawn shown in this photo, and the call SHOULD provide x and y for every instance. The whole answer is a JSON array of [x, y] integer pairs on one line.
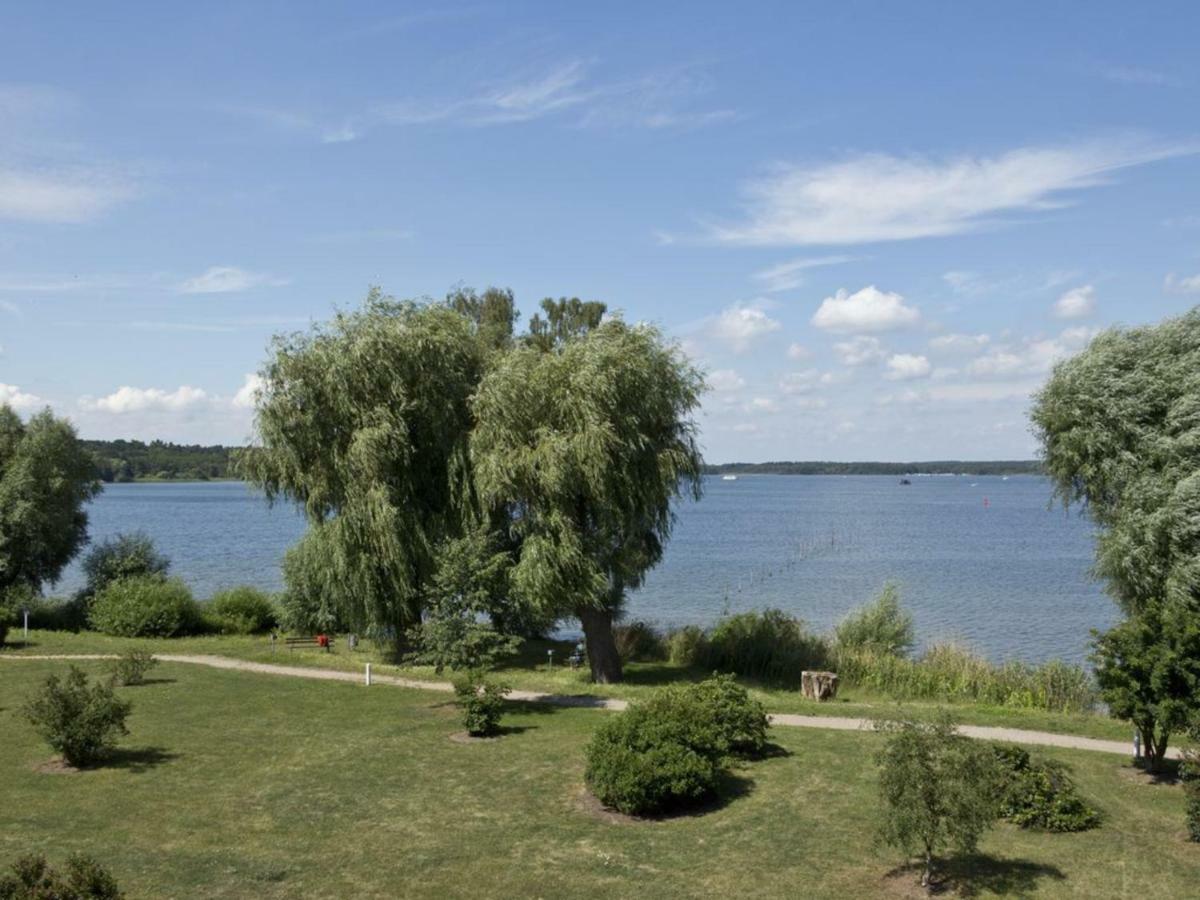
[[242, 785]]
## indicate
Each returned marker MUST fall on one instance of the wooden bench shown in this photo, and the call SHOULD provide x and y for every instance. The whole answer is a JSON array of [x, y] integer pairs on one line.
[[293, 642]]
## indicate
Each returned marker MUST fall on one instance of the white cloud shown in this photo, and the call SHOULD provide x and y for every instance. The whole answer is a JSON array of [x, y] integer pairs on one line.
[[788, 275], [798, 352], [70, 195], [859, 351], [11, 395], [905, 366], [742, 324], [868, 310], [799, 382], [128, 399], [1077, 303], [1189, 284], [878, 197], [247, 395], [228, 280], [968, 284], [959, 343], [1032, 356], [762, 405], [725, 380]]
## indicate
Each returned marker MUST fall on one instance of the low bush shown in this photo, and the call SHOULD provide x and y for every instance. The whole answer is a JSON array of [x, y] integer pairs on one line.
[[637, 641], [687, 646], [145, 606], [1039, 793], [78, 719], [32, 878], [1190, 772], [770, 645], [242, 610], [120, 557], [482, 703], [131, 667], [52, 614], [881, 626], [670, 750], [8, 618]]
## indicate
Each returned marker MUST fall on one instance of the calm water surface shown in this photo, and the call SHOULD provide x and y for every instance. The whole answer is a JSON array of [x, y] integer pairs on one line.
[[978, 559]]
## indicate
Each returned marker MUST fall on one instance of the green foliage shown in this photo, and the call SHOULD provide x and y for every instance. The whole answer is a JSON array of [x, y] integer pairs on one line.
[[145, 606], [687, 646], [1190, 772], [312, 597], [130, 667], [122, 556], [639, 641], [881, 626], [363, 422], [564, 320], [670, 750], [950, 673], [79, 720], [32, 878], [770, 645], [243, 610], [481, 701], [8, 618], [46, 478], [1039, 793], [122, 461], [52, 614], [494, 314], [938, 790]]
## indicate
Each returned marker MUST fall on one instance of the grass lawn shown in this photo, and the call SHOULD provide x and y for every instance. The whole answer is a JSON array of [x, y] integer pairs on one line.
[[530, 672], [241, 785]]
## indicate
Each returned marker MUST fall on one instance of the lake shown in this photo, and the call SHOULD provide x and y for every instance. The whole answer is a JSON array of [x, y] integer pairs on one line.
[[982, 560]]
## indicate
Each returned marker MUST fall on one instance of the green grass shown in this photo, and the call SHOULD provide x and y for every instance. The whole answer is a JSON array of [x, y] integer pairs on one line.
[[240, 785], [530, 672]]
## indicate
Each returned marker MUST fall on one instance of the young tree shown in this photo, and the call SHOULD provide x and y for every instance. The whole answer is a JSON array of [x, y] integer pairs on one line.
[[46, 478], [586, 444], [938, 790], [122, 556], [364, 423], [1119, 426], [80, 720]]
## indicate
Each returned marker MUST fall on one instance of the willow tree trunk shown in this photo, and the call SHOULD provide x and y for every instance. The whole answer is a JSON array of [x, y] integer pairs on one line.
[[602, 653]]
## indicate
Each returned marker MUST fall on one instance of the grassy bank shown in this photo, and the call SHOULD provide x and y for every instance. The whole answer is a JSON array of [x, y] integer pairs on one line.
[[236, 785]]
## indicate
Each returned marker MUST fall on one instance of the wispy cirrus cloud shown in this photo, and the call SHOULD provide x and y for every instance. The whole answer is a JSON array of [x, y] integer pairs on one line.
[[881, 197], [229, 280], [788, 275]]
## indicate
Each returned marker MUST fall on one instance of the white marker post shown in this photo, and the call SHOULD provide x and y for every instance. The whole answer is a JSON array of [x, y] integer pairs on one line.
[[26, 611], [367, 679]]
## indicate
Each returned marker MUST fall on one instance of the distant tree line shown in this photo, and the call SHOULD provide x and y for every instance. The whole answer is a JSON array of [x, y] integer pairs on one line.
[[935, 467], [122, 460]]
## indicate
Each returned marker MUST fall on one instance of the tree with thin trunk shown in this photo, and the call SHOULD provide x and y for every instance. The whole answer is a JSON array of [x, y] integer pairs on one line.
[[938, 791], [584, 434]]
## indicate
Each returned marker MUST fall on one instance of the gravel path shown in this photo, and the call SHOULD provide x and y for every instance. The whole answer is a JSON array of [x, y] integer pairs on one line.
[[787, 720]]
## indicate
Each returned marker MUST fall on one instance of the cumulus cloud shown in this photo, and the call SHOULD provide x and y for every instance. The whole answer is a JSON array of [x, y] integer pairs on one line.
[[1188, 284], [878, 197], [725, 381], [788, 275], [868, 310], [21, 401], [905, 366], [799, 382], [1032, 356], [228, 280], [1077, 303], [798, 352], [959, 343], [247, 395], [859, 351], [128, 399], [742, 324]]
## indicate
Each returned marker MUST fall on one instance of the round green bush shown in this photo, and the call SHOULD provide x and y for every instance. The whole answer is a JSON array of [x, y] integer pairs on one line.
[[243, 610], [145, 606], [7, 619]]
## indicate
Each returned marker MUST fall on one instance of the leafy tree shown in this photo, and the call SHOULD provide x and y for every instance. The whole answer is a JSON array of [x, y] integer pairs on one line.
[[938, 790], [122, 556], [587, 444], [46, 477], [494, 314], [1119, 426], [364, 423], [562, 320]]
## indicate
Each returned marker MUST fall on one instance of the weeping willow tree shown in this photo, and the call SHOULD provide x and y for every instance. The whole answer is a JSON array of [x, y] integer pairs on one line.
[[364, 423], [1119, 426], [585, 436]]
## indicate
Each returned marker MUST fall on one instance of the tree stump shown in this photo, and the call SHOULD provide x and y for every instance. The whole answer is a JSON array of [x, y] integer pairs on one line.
[[819, 686]]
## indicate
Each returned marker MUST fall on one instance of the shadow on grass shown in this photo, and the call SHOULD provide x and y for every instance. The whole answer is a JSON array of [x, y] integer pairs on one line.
[[977, 874], [1168, 772], [137, 759], [145, 682]]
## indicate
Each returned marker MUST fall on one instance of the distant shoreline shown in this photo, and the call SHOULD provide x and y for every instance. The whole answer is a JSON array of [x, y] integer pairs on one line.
[[933, 467]]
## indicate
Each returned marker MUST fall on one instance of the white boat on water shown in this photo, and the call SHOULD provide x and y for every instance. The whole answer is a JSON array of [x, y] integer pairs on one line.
[[729, 478]]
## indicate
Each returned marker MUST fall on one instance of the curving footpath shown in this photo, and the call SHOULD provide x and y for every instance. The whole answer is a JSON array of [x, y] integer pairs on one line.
[[786, 720]]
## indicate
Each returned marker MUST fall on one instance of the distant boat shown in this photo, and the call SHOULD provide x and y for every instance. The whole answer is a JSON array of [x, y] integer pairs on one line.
[[729, 478], [905, 481]]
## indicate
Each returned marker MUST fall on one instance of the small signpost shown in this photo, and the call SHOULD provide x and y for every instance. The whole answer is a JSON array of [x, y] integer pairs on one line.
[[550, 658]]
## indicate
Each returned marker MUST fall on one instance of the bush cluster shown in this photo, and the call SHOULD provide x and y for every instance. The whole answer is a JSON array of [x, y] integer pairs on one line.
[[1039, 793], [242, 610], [145, 606], [8, 618], [122, 556], [32, 878], [130, 668], [1190, 773], [639, 642], [771, 646], [481, 701], [671, 750], [78, 719], [881, 626]]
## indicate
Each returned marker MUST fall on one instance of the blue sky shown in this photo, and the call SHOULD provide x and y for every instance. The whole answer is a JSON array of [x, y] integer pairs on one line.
[[876, 225]]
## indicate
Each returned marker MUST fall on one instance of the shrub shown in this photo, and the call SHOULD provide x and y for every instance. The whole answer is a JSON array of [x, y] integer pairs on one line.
[[145, 606], [481, 701], [79, 720], [1039, 793], [131, 667], [639, 641], [51, 614], [120, 557], [8, 618], [881, 626], [32, 878], [243, 610], [1190, 772], [687, 646], [769, 645], [741, 721]]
